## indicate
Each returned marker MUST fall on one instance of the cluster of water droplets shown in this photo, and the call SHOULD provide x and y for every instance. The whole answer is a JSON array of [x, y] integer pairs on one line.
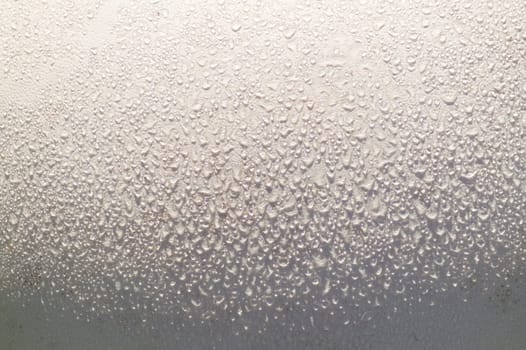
[[209, 162]]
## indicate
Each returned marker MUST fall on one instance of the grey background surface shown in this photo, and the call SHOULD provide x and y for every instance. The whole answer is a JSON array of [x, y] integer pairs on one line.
[[478, 324]]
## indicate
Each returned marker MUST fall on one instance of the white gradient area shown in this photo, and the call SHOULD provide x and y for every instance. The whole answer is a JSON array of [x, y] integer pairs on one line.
[[262, 175]]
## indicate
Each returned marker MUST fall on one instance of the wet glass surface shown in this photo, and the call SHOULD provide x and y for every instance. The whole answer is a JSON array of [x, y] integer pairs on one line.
[[250, 175]]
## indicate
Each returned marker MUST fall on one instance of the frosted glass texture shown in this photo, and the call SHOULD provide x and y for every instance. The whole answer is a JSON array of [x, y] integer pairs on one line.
[[262, 174]]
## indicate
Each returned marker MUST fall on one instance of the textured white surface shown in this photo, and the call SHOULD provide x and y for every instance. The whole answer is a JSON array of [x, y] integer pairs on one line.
[[280, 175]]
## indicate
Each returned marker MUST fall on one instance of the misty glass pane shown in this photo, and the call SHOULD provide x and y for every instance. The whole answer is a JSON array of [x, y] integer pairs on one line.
[[318, 174]]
